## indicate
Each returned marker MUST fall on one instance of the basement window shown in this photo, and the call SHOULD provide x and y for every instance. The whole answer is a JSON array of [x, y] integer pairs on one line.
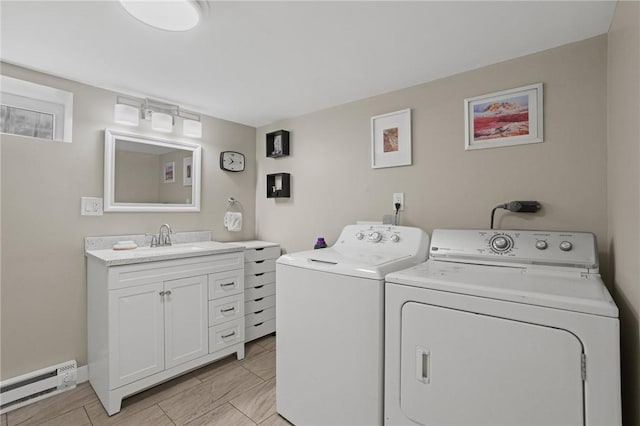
[[33, 110]]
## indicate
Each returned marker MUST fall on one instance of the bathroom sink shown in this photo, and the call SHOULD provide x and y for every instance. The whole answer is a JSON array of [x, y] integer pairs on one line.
[[143, 254], [176, 248]]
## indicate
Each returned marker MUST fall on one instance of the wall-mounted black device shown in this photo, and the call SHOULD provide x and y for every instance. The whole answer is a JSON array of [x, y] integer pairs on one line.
[[517, 207]]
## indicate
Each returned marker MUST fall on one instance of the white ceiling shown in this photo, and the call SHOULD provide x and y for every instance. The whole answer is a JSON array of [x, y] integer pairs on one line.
[[259, 62]]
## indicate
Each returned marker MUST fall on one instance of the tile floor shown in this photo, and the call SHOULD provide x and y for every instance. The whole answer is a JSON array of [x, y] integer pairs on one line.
[[228, 392]]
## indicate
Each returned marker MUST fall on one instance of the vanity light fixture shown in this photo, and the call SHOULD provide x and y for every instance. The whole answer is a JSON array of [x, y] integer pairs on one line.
[[127, 115], [162, 122], [192, 128], [170, 15], [162, 115]]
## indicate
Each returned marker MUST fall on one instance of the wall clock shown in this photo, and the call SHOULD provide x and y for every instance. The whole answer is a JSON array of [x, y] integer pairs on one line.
[[231, 161]]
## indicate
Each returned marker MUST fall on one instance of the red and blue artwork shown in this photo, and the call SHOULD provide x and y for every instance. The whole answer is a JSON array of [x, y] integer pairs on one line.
[[501, 119]]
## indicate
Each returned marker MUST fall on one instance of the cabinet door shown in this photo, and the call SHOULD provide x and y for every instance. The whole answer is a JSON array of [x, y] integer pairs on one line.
[[136, 333], [185, 307]]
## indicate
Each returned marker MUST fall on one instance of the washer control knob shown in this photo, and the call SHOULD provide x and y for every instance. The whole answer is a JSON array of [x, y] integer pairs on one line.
[[541, 244], [359, 235], [395, 238], [375, 236], [566, 246]]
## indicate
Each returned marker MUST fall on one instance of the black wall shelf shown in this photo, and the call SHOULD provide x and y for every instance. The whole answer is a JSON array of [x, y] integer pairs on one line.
[[278, 144], [279, 185]]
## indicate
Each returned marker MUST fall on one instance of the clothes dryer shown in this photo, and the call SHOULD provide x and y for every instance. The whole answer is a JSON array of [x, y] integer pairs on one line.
[[502, 328], [330, 323]]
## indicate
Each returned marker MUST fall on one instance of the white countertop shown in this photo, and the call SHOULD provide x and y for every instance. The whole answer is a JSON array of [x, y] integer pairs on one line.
[[143, 254], [252, 244]]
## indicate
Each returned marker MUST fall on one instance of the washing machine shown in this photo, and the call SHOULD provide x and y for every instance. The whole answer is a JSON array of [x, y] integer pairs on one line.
[[502, 328], [330, 324]]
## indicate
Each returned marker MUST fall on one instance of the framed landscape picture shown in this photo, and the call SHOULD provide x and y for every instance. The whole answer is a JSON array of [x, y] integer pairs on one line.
[[510, 117]]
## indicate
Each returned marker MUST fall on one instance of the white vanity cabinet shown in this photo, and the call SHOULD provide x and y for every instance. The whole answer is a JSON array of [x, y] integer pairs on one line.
[[151, 321], [260, 287]]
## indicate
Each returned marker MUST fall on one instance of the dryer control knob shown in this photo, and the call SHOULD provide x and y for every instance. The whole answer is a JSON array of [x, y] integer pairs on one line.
[[395, 238], [541, 244], [359, 235], [375, 236], [500, 243], [566, 246]]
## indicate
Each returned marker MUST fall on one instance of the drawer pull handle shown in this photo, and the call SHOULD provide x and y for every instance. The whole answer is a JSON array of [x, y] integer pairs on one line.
[[257, 300], [228, 309], [259, 312], [259, 324], [228, 335], [259, 261], [259, 286], [161, 293], [165, 293], [260, 274], [228, 284], [260, 249]]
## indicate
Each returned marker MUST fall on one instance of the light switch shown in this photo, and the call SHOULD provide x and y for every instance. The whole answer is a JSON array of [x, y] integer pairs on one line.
[[91, 206]]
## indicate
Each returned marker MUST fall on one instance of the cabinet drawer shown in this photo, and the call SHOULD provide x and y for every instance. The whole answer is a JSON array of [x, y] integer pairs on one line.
[[227, 334], [149, 272], [251, 255], [259, 304], [260, 291], [259, 279], [259, 316], [257, 267], [226, 309], [259, 330], [226, 284]]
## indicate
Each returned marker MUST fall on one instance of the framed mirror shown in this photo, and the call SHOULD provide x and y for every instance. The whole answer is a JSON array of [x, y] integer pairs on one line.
[[149, 174]]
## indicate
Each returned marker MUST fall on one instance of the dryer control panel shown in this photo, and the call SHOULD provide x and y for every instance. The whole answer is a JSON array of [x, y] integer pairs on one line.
[[552, 248]]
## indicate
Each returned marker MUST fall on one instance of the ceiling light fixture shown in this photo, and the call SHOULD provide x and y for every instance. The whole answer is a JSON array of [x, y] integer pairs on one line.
[[170, 15], [161, 114]]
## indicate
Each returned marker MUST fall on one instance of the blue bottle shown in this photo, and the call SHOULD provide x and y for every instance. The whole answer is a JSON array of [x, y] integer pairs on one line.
[[320, 243]]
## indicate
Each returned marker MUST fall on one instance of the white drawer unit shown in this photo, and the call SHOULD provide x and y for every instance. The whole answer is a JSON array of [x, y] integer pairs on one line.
[[259, 287], [226, 309]]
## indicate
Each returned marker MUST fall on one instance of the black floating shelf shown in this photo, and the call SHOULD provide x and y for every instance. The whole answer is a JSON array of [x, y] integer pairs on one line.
[[278, 144], [279, 185]]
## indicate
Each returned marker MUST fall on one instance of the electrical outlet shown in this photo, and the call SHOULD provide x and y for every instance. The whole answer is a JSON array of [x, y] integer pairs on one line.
[[90, 206], [398, 197]]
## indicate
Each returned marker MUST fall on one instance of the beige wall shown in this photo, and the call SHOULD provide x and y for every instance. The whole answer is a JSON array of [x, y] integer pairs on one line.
[[333, 183], [623, 185], [43, 288]]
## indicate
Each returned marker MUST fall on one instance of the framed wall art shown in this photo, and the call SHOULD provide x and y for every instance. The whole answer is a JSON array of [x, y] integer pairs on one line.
[[391, 139], [510, 117], [169, 172], [187, 172]]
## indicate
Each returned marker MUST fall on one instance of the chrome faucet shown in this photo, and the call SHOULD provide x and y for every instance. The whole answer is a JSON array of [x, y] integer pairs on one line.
[[164, 236]]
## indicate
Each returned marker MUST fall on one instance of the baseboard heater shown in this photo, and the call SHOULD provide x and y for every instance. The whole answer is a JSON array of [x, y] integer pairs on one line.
[[37, 385]]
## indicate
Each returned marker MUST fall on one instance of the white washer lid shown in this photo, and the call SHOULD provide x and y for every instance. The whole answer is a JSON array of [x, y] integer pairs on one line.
[[365, 264], [569, 291]]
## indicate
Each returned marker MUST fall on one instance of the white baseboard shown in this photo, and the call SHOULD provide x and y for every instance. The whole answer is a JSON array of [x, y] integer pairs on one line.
[[82, 374]]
